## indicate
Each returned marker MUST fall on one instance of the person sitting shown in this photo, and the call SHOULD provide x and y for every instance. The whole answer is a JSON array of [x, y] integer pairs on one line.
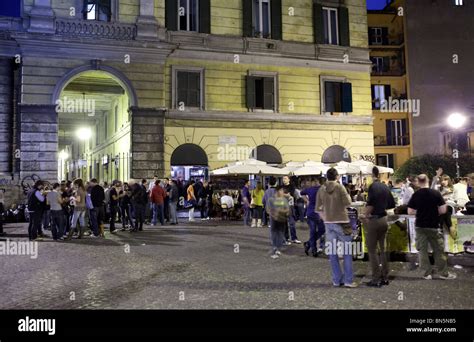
[[227, 200]]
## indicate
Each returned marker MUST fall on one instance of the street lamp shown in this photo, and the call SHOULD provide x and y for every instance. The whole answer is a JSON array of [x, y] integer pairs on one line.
[[84, 133], [63, 156], [456, 121]]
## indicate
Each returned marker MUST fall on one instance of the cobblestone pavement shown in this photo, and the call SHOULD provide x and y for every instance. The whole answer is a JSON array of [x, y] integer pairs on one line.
[[195, 266]]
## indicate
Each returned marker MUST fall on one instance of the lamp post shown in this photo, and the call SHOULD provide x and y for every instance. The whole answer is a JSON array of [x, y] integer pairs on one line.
[[456, 121], [63, 156], [83, 134]]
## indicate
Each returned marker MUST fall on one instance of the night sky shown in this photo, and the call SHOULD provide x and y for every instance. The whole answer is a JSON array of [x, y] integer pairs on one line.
[[12, 7]]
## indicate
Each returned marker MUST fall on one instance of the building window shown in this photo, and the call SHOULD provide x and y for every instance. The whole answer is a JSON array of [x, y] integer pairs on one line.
[[337, 97], [116, 118], [100, 10], [386, 159], [188, 88], [331, 28], [380, 93], [459, 2], [261, 92], [97, 135], [188, 15], [105, 126], [378, 35], [262, 18], [397, 132], [380, 64]]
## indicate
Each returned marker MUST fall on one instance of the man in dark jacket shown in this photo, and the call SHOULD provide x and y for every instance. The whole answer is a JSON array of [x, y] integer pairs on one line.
[[173, 196], [139, 202], [97, 213], [36, 202]]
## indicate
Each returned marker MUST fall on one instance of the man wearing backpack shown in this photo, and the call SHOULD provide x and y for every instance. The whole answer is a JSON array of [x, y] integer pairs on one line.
[[36, 202], [278, 209]]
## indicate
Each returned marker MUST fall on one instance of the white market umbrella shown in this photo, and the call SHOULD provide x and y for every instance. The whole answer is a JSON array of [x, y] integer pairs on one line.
[[249, 167]]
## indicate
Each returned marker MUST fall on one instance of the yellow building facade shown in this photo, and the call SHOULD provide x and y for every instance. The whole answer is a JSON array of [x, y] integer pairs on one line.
[[391, 108]]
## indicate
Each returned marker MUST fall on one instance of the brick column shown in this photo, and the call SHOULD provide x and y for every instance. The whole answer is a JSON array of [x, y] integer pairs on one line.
[[42, 17], [6, 114], [147, 26], [147, 143], [39, 141]]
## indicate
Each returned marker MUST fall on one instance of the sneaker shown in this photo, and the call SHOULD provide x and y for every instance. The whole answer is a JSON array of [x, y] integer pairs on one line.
[[274, 256], [450, 276], [306, 248], [428, 277], [278, 252], [203, 219], [351, 285], [338, 285], [287, 243], [298, 242]]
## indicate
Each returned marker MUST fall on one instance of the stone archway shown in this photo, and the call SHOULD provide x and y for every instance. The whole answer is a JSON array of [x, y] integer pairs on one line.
[[335, 154], [268, 154]]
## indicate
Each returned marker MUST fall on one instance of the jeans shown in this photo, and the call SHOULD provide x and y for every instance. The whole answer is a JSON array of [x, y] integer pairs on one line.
[[126, 215], [35, 224], [78, 215], [139, 210], [334, 237], [316, 231], [246, 215], [94, 221], [375, 237], [57, 223], [291, 227], [46, 220], [166, 208], [433, 237], [204, 208], [277, 234], [173, 214], [158, 210]]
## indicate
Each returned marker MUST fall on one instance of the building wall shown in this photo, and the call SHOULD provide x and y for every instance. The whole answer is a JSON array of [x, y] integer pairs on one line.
[[443, 87]]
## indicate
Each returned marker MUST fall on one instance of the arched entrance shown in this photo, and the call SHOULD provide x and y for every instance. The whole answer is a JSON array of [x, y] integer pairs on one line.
[[189, 161], [268, 154], [94, 124], [335, 154]]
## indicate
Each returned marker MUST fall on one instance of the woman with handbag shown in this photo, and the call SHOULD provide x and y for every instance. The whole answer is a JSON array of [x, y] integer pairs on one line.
[[257, 205]]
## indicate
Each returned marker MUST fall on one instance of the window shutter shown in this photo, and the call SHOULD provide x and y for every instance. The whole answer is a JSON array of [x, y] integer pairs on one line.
[[387, 91], [346, 97], [250, 92], [318, 23], [344, 35], [193, 89], [384, 35], [405, 132], [204, 16], [385, 64], [329, 97], [171, 15], [391, 161], [388, 130], [372, 90], [268, 93], [371, 36], [275, 9], [248, 18]]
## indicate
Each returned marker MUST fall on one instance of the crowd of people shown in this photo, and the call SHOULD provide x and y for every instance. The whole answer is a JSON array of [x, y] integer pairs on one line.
[[83, 208]]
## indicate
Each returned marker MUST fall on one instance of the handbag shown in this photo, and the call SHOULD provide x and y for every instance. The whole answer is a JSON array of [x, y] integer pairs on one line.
[[252, 202]]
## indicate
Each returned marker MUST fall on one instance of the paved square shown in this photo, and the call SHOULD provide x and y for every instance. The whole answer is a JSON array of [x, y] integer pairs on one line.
[[195, 266]]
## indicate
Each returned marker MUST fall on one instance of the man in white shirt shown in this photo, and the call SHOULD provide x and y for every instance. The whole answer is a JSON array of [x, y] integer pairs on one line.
[[460, 192], [227, 200]]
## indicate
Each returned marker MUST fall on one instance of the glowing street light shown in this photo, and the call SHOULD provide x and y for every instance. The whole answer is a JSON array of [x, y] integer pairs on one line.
[[456, 121], [84, 133]]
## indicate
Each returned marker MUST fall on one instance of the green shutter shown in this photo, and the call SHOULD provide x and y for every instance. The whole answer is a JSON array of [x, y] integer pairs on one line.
[[250, 88], [318, 23], [385, 35], [276, 22], [346, 97], [269, 93], [248, 18], [182, 86], [171, 15], [344, 38], [193, 89], [388, 132], [205, 16], [387, 91]]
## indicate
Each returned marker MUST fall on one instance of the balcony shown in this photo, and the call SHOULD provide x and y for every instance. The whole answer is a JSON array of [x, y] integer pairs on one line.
[[391, 41], [401, 140], [400, 71], [95, 29]]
